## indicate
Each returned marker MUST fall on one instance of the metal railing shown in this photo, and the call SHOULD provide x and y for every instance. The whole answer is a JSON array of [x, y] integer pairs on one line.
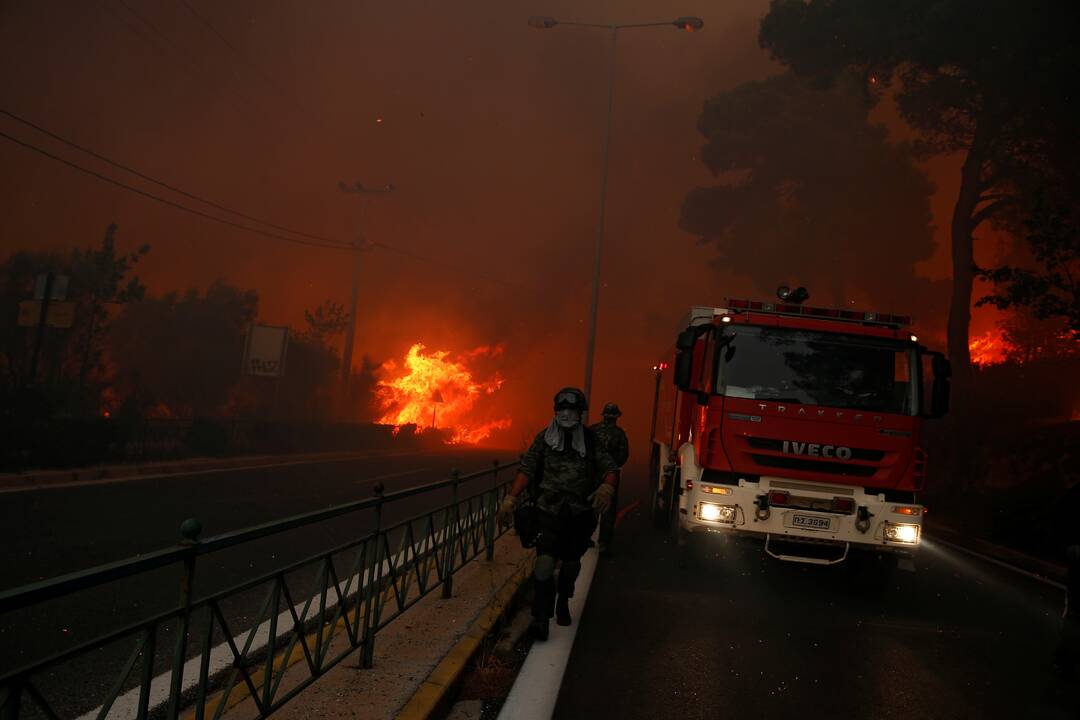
[[295, 636]]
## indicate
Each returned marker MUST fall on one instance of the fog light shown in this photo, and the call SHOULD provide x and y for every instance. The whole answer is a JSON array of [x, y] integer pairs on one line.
[[716, 513], [898, 533]]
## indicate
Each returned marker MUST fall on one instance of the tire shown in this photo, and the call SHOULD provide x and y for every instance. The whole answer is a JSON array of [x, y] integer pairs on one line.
[[687, 546], [659, 509]]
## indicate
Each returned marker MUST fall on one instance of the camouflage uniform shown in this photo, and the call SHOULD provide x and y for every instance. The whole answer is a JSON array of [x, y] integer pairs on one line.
[[565, 479], [613, 440], [567, 519]]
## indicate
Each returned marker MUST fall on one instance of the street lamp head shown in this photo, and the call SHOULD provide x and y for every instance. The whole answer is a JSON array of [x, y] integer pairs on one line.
[[689, 24], [540, 22]]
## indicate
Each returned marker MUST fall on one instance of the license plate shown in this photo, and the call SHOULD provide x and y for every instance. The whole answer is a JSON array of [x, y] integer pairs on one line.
[[811, 522]]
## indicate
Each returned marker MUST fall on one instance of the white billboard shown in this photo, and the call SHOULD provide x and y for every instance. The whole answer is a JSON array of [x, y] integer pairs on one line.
[[264, 351]]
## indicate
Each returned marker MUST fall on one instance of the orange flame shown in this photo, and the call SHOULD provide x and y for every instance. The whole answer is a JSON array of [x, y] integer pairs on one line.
[[987, 349], [437, 392]]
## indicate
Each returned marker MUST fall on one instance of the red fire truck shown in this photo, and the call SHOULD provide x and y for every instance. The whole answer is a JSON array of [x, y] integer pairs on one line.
[[797, 425]]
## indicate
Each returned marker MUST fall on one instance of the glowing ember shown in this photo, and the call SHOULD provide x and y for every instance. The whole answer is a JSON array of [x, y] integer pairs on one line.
[[987, 349], [438, 392]]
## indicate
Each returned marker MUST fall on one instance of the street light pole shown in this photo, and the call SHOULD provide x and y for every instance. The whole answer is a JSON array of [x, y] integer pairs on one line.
[[350, 330], [590, 350], [686, 23]]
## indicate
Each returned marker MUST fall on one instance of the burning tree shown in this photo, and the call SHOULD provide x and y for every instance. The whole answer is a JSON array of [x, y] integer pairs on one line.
[[437, 389]]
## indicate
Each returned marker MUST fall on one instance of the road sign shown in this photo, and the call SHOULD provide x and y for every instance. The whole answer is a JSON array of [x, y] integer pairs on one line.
[[61, 314], [264, 351], [59, 287]]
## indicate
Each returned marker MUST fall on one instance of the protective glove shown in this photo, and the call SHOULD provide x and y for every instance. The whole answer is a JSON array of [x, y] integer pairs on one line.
[[506, 510], [602, 498]]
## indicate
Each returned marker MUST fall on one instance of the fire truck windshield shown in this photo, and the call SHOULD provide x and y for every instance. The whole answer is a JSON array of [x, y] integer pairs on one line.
[[812, 368]]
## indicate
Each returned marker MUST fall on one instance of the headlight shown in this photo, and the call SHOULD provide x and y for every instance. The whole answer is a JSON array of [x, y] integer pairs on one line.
[[899, 533], [716, 513]]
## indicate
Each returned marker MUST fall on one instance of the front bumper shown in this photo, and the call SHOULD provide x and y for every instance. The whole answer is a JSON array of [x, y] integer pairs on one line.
[[745, 509]]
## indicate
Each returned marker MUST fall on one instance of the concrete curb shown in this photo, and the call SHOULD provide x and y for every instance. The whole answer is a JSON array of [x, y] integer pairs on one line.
[[1043, 569], [433, 692]]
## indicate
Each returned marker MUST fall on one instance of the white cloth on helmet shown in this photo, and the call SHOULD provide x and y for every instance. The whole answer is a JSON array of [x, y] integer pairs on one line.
[[555, 437]]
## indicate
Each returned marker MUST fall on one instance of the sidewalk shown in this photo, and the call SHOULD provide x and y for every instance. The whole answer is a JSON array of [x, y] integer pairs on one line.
[[33, 479], [419, 656]]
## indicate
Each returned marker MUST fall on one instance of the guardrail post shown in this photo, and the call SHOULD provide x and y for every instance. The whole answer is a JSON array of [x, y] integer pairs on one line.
[[373, 589], [493, 509], [450, 538], [189, 534]]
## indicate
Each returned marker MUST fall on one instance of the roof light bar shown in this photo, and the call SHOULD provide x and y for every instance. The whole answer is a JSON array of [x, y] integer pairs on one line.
[[871, 318]]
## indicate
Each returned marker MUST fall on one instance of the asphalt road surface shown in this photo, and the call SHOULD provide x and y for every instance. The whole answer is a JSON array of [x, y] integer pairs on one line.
[[733, 633], [49, 532]]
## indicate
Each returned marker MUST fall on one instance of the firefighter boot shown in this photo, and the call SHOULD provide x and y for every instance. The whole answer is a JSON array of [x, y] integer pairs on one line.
[[542, 610], [567, 577], [562, 611]]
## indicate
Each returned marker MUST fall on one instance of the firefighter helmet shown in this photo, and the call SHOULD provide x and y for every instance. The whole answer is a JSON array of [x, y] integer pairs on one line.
[[612, 410], [571, 397]]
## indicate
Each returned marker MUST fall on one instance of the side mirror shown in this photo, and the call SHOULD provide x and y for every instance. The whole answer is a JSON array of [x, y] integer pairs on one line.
[[941, 366], [686, 340], [940, 390], [684, 368]]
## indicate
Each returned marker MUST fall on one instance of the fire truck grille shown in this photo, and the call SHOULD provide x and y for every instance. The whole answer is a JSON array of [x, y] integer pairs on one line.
[[866, 455], [817, 466]]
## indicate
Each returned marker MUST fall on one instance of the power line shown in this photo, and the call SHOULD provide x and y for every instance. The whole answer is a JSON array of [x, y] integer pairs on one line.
[[161, 183], [449, 266], [162, 39], [225, 41], [472, 274], [170, 203], [189, 66], [154, 29]]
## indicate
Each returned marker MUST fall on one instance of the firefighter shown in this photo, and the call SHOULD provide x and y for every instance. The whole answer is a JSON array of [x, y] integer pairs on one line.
[[572, 480], [613, 440]]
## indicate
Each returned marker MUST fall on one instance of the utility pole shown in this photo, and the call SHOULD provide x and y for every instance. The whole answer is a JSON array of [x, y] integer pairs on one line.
[[39, 337], [350, 331]]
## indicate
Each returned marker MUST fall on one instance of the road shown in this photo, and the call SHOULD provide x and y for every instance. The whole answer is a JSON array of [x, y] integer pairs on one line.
[[735, 634], [48, 532]]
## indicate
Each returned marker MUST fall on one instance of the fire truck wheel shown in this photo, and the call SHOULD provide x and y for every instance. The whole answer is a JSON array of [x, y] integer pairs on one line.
[[687, 547], [660, 502]]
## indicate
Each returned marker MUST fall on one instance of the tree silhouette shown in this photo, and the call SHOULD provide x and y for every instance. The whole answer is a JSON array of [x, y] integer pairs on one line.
[[809, 191], [985, 78]]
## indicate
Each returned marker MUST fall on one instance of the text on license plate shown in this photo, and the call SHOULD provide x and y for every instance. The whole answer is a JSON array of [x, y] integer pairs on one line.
[[811, 522]]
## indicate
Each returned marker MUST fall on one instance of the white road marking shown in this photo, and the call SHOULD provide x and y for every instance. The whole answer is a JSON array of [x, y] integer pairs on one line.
[[126, 706], [537, 685], [211, 471]]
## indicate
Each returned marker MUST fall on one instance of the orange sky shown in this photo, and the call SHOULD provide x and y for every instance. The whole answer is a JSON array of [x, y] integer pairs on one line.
[[491, 131]]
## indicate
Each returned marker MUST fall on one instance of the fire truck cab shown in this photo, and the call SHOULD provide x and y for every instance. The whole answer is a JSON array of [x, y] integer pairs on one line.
[[796, 425]]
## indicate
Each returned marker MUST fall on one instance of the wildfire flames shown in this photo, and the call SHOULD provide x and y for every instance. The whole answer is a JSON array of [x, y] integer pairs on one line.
[[437, 391], [987, 349]]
